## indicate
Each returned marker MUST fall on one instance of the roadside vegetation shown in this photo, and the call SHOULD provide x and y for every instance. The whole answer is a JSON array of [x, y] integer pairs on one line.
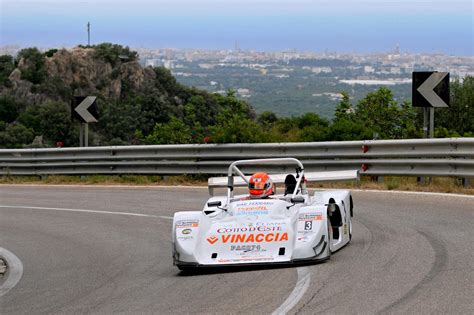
[[167, 112], [438, 184], [148, 106]]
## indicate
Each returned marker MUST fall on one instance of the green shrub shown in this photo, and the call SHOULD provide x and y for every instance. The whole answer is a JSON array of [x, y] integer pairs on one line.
[[34, 61]]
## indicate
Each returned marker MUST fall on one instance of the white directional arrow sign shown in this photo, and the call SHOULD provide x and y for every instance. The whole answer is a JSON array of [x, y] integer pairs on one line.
[[82, 109], [427, 89]]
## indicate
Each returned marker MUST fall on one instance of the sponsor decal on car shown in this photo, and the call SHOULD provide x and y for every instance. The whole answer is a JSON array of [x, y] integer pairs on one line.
[[187, 224], [185, 238], [255, 207], [212, 239], [186, 231], [303, 238], [255, 203], [254, 238], [310, 216], [247, 248], [250, 238], [345, 228], [251, 212], [260, 228]]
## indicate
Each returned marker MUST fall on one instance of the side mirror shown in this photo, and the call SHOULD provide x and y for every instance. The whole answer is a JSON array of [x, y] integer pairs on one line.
[[214, 204], [297, 199]]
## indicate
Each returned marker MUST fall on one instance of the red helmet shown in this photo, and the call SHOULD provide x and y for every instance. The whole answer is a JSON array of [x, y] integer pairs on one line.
[[261, 186]]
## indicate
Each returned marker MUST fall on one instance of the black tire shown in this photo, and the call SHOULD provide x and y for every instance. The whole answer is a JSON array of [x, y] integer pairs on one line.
[[351, 207], [329, 235], [350, 231]]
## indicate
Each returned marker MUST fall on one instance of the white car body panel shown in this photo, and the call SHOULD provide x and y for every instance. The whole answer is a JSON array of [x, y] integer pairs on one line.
[[260, 231]]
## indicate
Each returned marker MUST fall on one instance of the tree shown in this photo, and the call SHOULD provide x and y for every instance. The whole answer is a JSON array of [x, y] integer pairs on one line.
[[8, 109], [168, 84], [119, 120], [54, 122], [267, 118], [459, 117], [113, 53], [33, 69], [237, 128], [15, 136], [7, 65], [344, 107], [172, 132], [381, 114], [345, 129]]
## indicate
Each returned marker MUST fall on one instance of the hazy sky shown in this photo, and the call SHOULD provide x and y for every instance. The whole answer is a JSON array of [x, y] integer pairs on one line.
[[343, 25]]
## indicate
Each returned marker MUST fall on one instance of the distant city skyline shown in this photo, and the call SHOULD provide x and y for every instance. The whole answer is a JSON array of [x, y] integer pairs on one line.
[[359, 26]]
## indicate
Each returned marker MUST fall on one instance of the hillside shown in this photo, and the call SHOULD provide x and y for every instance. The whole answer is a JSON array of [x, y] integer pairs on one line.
[[36, 90], [148, 106]]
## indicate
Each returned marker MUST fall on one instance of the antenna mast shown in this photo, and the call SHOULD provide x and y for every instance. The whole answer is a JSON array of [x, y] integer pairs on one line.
[[88, 33]]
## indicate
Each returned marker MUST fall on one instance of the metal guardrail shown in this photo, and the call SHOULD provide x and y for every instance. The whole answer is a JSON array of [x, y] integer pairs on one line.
[[413, 157]]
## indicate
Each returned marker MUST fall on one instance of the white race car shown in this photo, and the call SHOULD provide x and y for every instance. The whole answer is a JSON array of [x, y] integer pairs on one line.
[[279, 229]]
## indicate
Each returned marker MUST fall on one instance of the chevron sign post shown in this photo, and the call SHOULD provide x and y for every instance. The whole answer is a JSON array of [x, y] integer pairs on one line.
[[84, 109], [430, 90]]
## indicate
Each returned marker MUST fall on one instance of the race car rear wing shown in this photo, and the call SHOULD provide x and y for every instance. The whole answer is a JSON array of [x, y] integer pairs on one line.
[[329, 176]]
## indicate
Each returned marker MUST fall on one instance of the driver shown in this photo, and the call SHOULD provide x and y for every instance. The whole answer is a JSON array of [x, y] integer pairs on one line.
[[261, 186]]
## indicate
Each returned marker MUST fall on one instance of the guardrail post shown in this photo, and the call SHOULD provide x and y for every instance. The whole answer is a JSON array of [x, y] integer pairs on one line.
[[466, 182]]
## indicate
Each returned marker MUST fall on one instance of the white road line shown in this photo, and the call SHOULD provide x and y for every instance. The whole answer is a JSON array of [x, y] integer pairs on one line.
[[14, 273], [302, 285], [89, 211]]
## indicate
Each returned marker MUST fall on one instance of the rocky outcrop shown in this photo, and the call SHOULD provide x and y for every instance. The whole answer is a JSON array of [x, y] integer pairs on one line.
[[21, 89], [79, 71]]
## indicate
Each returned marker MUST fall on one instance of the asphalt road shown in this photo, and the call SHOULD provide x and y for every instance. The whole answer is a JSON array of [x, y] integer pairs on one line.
[[409, 254]]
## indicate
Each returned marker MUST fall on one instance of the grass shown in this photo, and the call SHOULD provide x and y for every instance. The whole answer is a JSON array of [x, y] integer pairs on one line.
[[139, 180], [438, 184]]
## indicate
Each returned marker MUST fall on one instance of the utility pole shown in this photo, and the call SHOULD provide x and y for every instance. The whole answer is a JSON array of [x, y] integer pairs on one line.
[[88, 33]]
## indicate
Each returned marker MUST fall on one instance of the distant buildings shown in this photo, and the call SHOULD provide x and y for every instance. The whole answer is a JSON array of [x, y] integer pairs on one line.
[[318, 70], [369, 69], [392, 65]]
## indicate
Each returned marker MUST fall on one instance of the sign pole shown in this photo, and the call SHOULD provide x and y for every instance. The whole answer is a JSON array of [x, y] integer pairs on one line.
[[428, 122], [431, 133], [429, 180], [81, 135], [86, 134], [422, 180], [430, 89], [84, 109]]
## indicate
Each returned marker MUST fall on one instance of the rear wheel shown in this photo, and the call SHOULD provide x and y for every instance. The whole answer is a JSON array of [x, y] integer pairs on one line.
[[350, 230], [329, 227], [350, 221]]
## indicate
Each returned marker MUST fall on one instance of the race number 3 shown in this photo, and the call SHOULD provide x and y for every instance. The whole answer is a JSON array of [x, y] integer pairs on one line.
[[308, 225]]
